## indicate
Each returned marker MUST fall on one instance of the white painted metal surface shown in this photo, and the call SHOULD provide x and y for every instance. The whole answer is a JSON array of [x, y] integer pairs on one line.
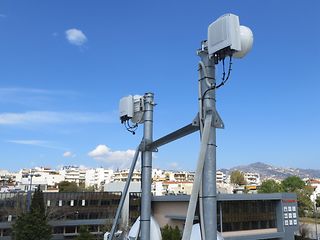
[[196, 234], [155, 233]]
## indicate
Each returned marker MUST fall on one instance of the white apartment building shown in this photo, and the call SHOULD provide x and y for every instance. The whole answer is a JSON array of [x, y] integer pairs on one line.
[[157, 188], [4, 177], [158, 175], [47, 178], [98, 177], [179, 176], [74, 174], [220, 177], [7, 181], [252, 178], [177, 188], [122, 175], [315, 183]]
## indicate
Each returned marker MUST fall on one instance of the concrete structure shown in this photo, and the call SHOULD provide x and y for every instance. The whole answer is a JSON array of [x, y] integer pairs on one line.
[[240, 216], [244, 217], [66, 212]]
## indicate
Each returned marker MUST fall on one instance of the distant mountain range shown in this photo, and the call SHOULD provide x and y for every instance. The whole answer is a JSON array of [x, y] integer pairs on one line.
[[269, 171]]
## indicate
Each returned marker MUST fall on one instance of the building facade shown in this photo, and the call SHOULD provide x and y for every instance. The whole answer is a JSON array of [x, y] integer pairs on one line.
[[240, 216], [66, 212]]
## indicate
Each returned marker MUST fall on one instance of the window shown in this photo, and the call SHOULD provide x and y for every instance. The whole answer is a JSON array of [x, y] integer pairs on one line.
[[71, 203], [83, 215], [70, 229], [94, 202], [58, 230], [6, 232], [93, 215], [93, 228], [105, 202], [248, 215]]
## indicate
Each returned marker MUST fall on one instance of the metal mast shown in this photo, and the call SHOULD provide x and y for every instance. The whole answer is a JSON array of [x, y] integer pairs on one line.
[[208, 106], [225, 38], [146, 165]]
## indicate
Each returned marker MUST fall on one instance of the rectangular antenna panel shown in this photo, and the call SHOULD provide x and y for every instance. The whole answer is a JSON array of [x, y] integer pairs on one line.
[[224, 33], [126, 108]]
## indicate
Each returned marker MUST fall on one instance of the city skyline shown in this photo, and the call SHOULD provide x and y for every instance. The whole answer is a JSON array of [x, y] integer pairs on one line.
[[65, 66]]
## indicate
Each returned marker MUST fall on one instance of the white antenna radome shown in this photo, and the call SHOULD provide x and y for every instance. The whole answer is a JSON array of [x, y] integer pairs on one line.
[[246, 39], [227, 37]]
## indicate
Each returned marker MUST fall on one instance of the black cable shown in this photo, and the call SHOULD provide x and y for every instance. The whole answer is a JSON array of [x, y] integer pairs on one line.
[[224, 70], [224, 78], [130, 128], [230, 69]]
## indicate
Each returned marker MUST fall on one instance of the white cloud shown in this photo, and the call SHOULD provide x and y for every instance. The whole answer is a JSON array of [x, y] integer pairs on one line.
[[38, 143], [68, 154], [121, 159], [47, 117], [18, 91], [76, 37], [33, 96], [28, 142], [174, 165]]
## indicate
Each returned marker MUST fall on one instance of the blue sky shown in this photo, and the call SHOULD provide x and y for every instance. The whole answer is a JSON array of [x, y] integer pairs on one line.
[[64, 65]]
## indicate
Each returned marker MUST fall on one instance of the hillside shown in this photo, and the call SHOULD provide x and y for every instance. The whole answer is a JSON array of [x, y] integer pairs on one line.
[[269, 171]]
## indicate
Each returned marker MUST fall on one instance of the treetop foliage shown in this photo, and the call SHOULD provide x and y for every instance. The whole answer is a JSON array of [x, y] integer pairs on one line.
[[237, 177], [291, 184], [33, 224], [169, 233]]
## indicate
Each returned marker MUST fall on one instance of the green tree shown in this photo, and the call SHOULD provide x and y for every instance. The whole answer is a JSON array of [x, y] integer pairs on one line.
[[270, 186], [37, 203], [66, 186], [292, 184], [176, 234], [33, 224], [237, 177], [84, 234], [303, 191], [169, 233], [166, 232], [318, 201]]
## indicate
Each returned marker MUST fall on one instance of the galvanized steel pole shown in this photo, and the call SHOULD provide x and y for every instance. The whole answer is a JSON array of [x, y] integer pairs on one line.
[[209, 190], [29, 193], [124, 193], [146, 166], [197, 181]]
